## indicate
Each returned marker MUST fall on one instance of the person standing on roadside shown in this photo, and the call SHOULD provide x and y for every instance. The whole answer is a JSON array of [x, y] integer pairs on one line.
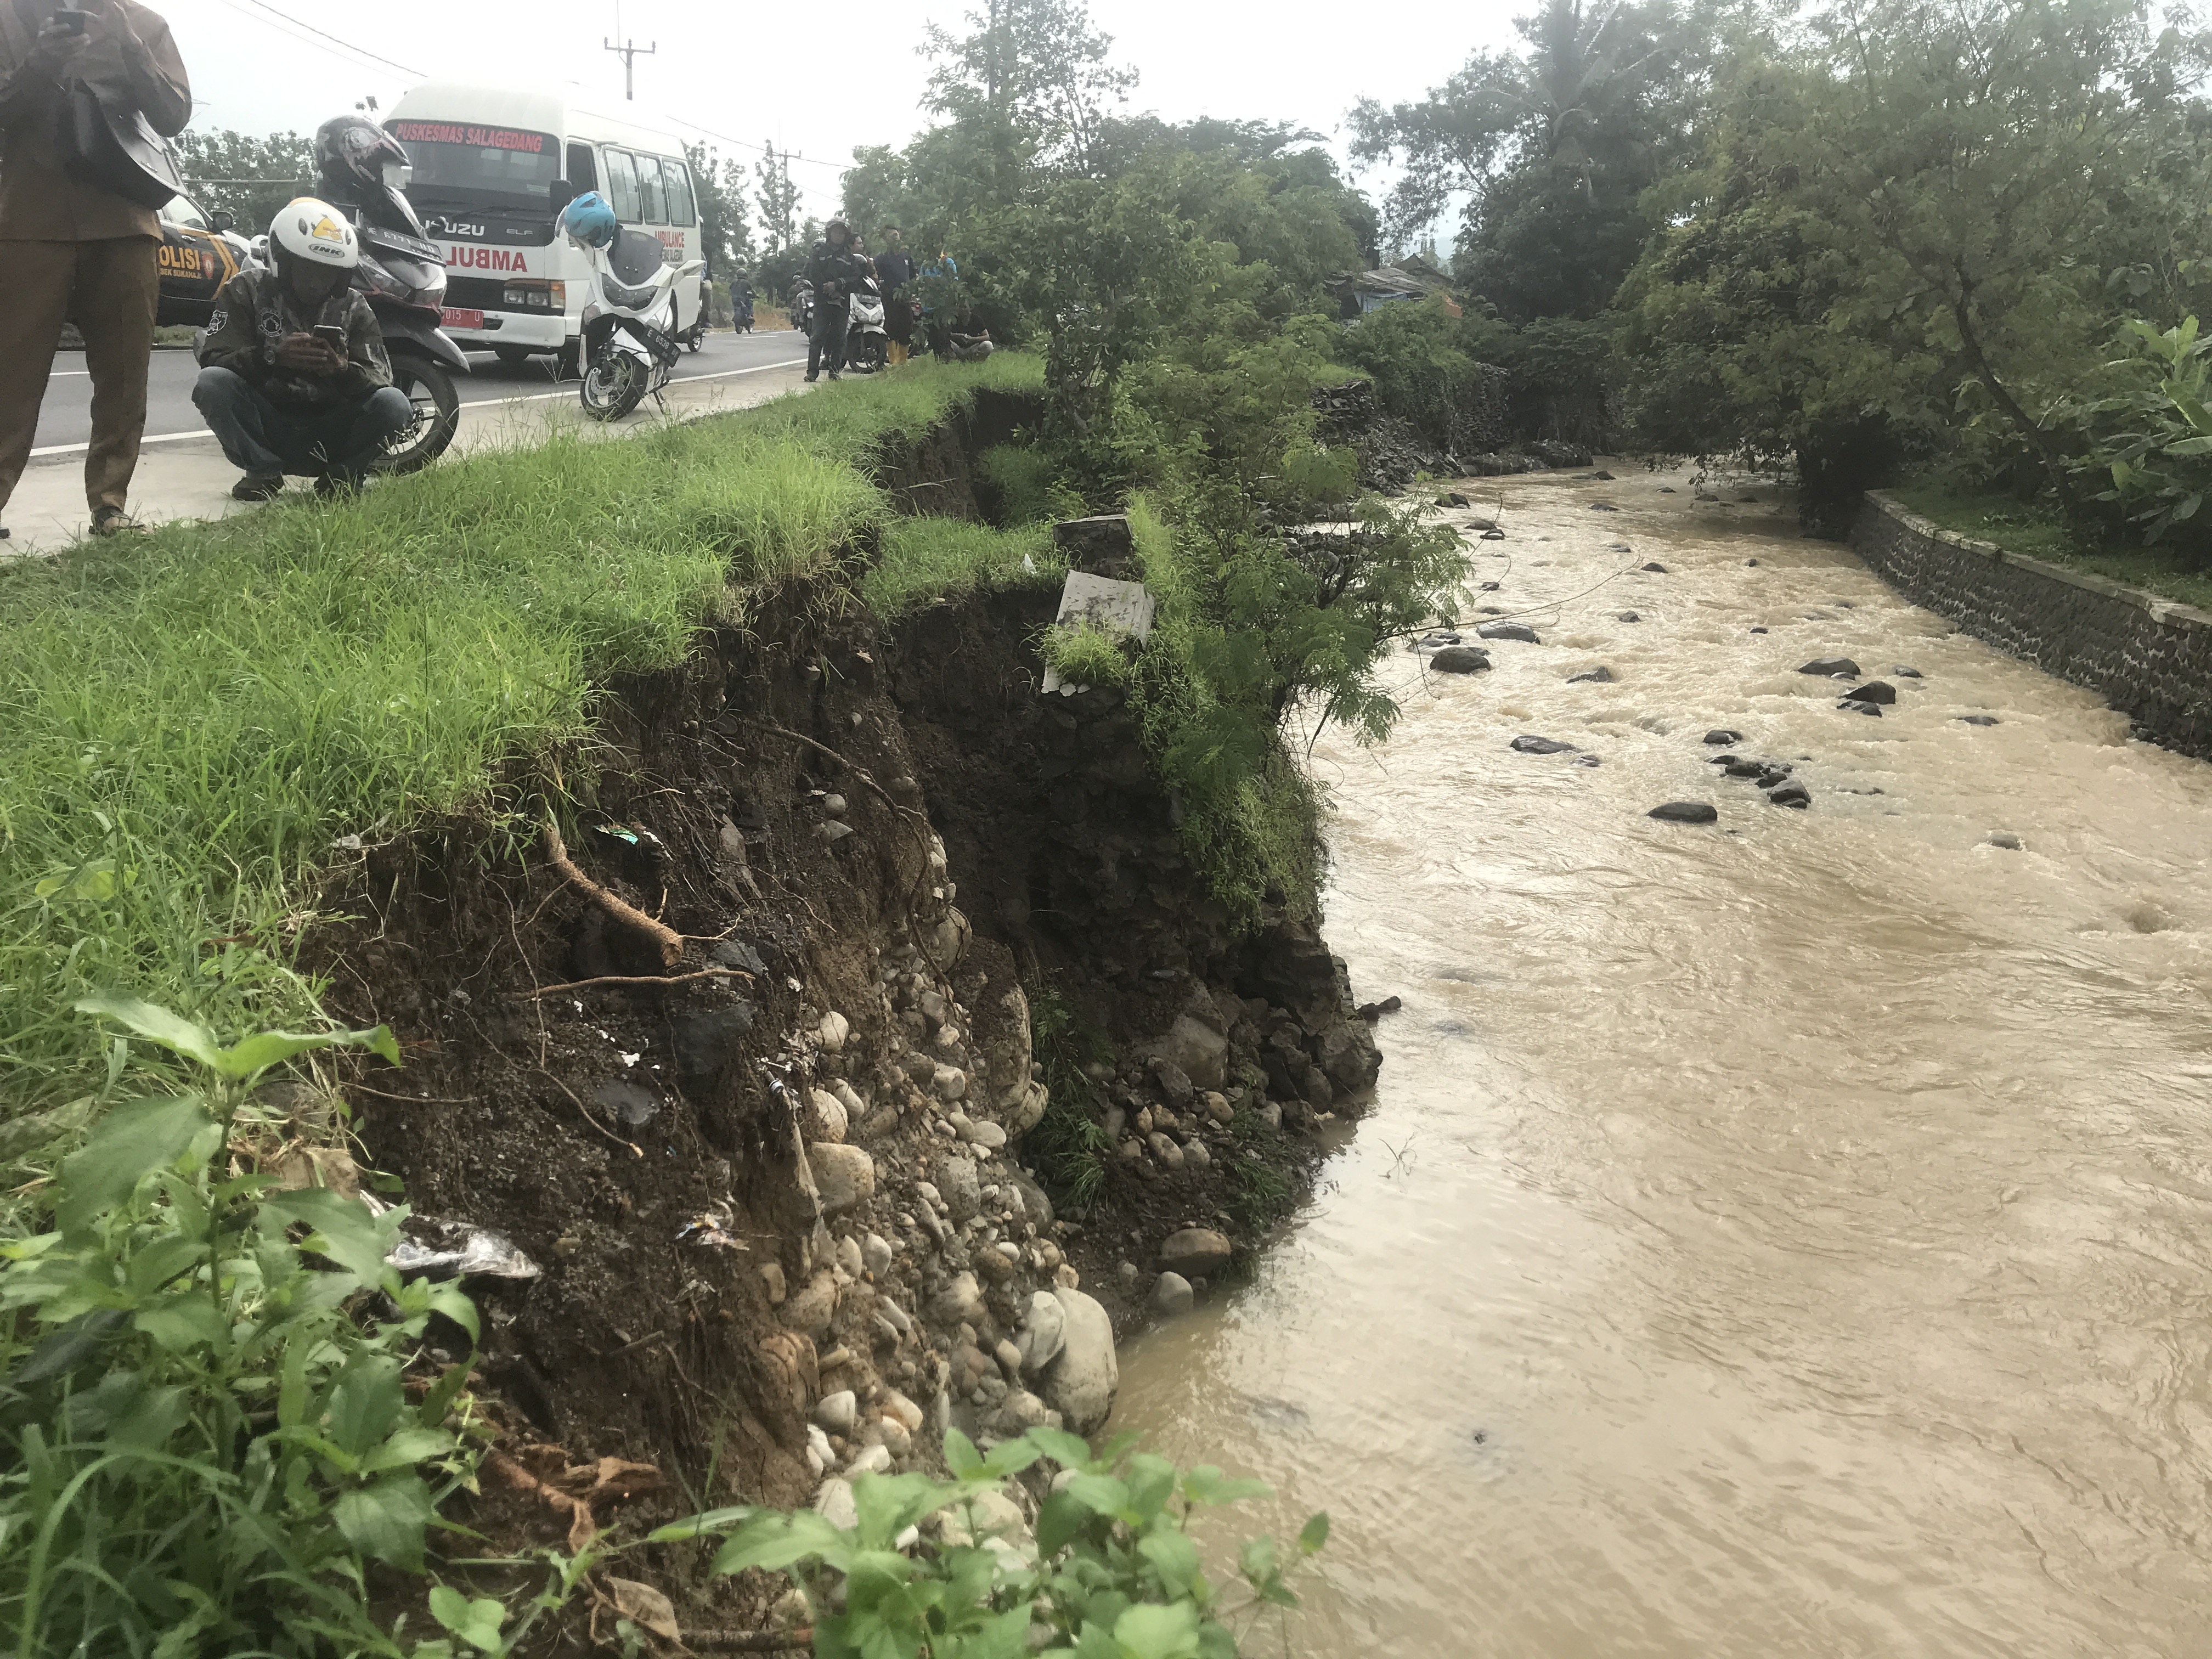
[[833, 267], [894, 270], [74, 250]]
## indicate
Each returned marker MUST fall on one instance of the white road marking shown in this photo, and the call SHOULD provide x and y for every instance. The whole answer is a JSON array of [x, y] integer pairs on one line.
[[482, 403]]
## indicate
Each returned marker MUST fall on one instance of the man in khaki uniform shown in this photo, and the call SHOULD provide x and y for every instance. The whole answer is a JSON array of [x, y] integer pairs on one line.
[[72, 251]]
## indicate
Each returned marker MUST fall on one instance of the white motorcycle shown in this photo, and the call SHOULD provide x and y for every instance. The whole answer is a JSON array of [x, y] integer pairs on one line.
[[631, 344], [868, 347]]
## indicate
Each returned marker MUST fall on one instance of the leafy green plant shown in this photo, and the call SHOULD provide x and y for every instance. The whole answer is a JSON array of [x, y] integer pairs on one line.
[[1068, 1146], [206, 1435], [2153, 438], [1085, 653], [1111, 1573]]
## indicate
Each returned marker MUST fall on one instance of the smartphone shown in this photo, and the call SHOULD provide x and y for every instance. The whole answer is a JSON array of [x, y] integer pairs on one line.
[[69, 18], [331, 336]]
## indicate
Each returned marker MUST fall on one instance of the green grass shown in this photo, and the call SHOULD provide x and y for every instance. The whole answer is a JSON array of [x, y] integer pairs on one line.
[[190, 719], [927, 559], [2038, 532]]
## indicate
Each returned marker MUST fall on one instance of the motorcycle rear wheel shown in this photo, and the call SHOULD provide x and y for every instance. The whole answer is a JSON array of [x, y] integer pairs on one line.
[[437, 414], [612, 387], [865, 353]]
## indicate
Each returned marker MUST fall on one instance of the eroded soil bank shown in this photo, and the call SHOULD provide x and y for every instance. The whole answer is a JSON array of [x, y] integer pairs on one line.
[[782, 1206], [1784, 1235]]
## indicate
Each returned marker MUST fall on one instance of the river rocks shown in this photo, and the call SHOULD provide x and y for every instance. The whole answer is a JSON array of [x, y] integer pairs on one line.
[[1603, 506], [1165, 1150], [1195, 1252], [1905, 673], [1790, 794], [1879, 691], [845, 1176], [948, 941], [982, 1131], [1686, 811], [1080, 1383], [1172, 1294], [1833, 667], [828, 1115], [1460, 659], [1508, 630], [1198, 1052], [1722, 735], [959, 1303], [1873, 708], [960, 1186], [2006, 839], [1533, 745], [809, 1309], [1599, 676], [1656, 568], [771, 1278], [837, 1412], [1979, 719], [834, 1030], [834, 1504], [1628, 616], [1043, 1334]]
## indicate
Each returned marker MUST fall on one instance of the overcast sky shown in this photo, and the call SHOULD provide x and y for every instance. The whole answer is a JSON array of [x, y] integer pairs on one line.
[[818, 79]]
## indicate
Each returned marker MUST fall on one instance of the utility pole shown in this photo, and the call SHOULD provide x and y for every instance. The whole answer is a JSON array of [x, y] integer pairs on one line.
[[629, 51]]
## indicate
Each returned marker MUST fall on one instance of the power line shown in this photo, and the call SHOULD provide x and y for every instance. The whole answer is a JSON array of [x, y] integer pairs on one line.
[[359, 57]]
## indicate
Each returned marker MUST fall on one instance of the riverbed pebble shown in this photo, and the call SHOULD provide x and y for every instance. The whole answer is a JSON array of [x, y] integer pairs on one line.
[[845, 1176], [1172, 1294], [1831, 666], [1722, 735], [1599, 675], [1509, 630], [836, 1412], [1686, 811], [1195, 1252], [1528, 744]]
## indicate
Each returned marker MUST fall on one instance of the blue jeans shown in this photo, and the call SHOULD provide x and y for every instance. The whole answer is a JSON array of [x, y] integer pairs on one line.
[[265, 441]]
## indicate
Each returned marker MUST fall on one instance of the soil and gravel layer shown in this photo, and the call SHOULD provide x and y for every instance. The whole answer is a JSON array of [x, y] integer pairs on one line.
[[885, 1057]]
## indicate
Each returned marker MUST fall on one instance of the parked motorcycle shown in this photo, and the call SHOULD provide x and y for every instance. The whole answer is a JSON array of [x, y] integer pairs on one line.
[[364, 169], [802, 307], [868, 347], [629, 347]]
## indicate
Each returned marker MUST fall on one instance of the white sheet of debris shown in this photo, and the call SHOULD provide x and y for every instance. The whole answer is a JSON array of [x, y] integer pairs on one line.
[[1089, 601]]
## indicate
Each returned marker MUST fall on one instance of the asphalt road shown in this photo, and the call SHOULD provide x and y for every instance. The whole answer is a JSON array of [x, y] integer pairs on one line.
[[65, 419]]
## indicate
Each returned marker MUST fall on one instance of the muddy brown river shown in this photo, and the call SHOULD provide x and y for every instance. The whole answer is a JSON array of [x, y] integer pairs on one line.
[[1787, 1236]]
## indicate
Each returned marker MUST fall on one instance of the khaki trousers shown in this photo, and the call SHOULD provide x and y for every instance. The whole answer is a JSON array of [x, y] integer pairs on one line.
[[109, 288]]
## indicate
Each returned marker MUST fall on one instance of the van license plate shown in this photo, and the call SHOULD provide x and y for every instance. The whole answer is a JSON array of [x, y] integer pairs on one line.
[[454, 317]]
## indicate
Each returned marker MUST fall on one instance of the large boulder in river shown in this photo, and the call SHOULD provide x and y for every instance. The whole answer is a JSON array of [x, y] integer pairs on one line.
[[1873, 691], [1831, 666], [1526, 744], [1081, 1381], [1686, 811], [1509, 630], [1460, 659]]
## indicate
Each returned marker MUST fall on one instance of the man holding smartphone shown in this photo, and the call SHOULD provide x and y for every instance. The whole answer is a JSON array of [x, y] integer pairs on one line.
[[73, 249], [294, 377]]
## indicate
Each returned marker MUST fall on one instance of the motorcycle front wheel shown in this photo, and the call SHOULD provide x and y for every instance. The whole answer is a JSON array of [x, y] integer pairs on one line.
[[437, 414], [612, 385], [865, 353]]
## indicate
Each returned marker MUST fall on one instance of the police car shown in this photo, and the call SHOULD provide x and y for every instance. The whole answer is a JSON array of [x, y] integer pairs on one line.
[[199, 252]]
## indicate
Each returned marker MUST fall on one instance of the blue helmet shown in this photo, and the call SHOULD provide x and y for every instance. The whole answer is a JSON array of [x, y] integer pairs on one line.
[[590, 219]]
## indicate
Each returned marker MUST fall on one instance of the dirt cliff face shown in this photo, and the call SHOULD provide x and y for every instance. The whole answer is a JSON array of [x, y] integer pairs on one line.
[[791, 1202]]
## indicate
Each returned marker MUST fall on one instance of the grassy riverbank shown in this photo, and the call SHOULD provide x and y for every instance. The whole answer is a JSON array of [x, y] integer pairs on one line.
[[2038, 532], [193, 723]]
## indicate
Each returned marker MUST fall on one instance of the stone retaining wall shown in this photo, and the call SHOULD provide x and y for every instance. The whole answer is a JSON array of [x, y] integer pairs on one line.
[[2150, 658]]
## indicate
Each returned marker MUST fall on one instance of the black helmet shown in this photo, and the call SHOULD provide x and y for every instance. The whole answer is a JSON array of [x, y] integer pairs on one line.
[[354, 148]]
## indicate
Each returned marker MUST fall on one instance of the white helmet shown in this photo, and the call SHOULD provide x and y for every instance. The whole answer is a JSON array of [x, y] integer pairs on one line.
[[316, 234]]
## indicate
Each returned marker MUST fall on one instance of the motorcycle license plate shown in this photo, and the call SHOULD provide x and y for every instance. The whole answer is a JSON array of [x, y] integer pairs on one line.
[[455, 317]]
